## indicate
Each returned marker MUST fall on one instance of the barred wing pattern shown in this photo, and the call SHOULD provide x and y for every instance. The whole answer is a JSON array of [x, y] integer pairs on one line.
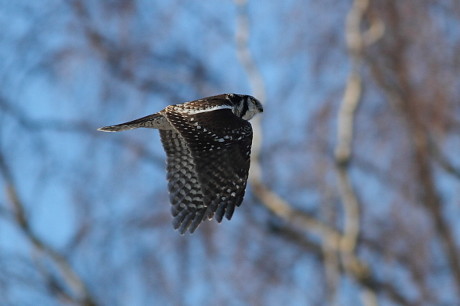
[[184, 188], [208, 156]]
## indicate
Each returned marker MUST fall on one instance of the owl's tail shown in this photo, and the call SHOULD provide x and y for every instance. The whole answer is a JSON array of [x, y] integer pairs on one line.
[[155, 121]]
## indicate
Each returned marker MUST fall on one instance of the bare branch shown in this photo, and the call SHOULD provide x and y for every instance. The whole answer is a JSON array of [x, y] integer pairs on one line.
[[244, 54], [345, 126], [255, 79], [442, 160], [394, 78], [331, 239], [356, 42], [81, 295], [343, 151], [286, 212]]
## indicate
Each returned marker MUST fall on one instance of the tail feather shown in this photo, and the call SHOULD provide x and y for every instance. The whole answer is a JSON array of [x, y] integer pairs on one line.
[[116, 128], [150, 121]]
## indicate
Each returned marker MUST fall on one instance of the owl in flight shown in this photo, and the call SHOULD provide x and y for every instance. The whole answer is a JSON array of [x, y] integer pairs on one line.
[[208, 148]]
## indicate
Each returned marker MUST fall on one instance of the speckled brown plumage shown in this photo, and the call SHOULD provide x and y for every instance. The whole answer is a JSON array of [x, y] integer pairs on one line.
[[208, 147]]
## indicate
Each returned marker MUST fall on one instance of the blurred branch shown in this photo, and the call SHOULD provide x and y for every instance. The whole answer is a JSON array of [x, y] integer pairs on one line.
[[356, 268], [255, 79], [243, 52], [345, 126], [76, 127], [297, 238], [115, 55], [428, 192], [48, 124], [332, 269], [442, 159], [345, 132], [393, 77], [271, 200], [290, 215], [71, 279]]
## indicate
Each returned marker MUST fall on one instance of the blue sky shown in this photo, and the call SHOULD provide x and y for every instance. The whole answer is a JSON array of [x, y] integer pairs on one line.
[[101, 199]]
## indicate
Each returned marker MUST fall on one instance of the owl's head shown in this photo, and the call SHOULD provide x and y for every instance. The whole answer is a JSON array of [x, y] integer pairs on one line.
[[246, 106]]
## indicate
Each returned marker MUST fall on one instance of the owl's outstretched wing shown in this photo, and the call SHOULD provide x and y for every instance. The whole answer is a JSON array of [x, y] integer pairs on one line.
[[208, 157]]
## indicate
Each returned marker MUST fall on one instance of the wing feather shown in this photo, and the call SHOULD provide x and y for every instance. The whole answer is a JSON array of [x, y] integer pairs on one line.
[[183, 184], [217, 145]]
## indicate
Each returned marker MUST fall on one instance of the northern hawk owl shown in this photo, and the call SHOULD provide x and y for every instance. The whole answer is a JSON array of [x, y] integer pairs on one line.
[[208, 148]]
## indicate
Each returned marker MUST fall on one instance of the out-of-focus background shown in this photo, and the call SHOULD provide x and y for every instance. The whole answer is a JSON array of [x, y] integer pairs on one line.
[[355, 185]]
